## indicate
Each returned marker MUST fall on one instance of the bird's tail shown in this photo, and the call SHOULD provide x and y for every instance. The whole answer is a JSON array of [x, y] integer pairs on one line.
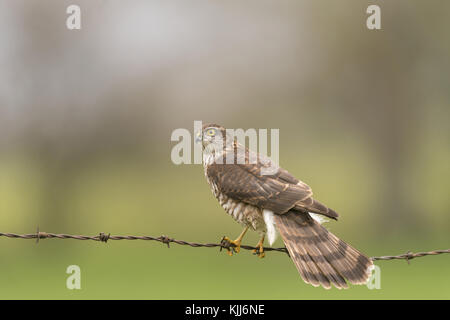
[[321, 258]]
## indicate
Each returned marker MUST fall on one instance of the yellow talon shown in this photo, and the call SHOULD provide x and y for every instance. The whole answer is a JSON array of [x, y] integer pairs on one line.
[[260, 248], [237, 243]]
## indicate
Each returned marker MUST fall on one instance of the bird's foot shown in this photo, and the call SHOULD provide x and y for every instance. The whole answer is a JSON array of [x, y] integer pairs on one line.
[[231, 245], [259, 251]]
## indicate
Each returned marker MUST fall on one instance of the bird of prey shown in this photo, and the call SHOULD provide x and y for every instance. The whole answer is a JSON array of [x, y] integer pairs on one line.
[[278, 203]]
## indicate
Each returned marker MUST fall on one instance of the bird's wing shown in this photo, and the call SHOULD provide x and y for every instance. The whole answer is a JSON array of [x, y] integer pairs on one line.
[[279, 192]]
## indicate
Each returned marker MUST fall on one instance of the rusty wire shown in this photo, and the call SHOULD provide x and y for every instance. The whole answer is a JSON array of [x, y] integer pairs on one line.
[[224, 244]]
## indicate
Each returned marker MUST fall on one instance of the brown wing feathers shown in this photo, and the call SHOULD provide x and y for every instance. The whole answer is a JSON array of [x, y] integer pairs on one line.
[[279, 193], [312, 205], [320, 257]]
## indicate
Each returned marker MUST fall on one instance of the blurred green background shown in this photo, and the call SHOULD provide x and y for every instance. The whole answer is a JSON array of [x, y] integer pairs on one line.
[[86, 118]]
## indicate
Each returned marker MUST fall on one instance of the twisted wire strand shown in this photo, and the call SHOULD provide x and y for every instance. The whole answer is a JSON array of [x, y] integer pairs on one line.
[[224, 244]]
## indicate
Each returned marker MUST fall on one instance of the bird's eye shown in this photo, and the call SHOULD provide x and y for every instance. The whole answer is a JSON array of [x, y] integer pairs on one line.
[[211, 132]]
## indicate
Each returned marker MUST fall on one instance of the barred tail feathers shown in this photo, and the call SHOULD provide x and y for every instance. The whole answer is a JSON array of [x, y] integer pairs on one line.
[[321, 258]]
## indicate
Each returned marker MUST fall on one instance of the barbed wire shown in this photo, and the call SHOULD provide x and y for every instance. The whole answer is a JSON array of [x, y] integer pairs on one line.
[[224, 243]]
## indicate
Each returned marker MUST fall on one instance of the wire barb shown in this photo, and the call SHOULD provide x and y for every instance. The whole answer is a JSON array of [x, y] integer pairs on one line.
[[104, 237], [224, 244], [37, 235], [166, 240]]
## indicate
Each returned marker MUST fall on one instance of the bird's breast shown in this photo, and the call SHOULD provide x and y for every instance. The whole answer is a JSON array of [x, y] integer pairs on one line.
[[244, 213]]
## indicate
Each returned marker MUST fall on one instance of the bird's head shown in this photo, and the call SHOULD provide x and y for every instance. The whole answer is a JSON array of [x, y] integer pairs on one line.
[[212, 135]]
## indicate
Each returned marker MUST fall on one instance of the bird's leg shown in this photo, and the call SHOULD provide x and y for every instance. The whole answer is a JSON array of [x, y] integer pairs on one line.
[[260, 248], [236, 242]]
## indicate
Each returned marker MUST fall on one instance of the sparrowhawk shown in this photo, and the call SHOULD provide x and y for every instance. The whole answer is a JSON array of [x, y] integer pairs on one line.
[[278, 202]]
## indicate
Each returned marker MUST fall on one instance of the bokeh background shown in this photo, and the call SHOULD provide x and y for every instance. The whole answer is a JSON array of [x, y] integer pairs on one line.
[[86, 118]]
